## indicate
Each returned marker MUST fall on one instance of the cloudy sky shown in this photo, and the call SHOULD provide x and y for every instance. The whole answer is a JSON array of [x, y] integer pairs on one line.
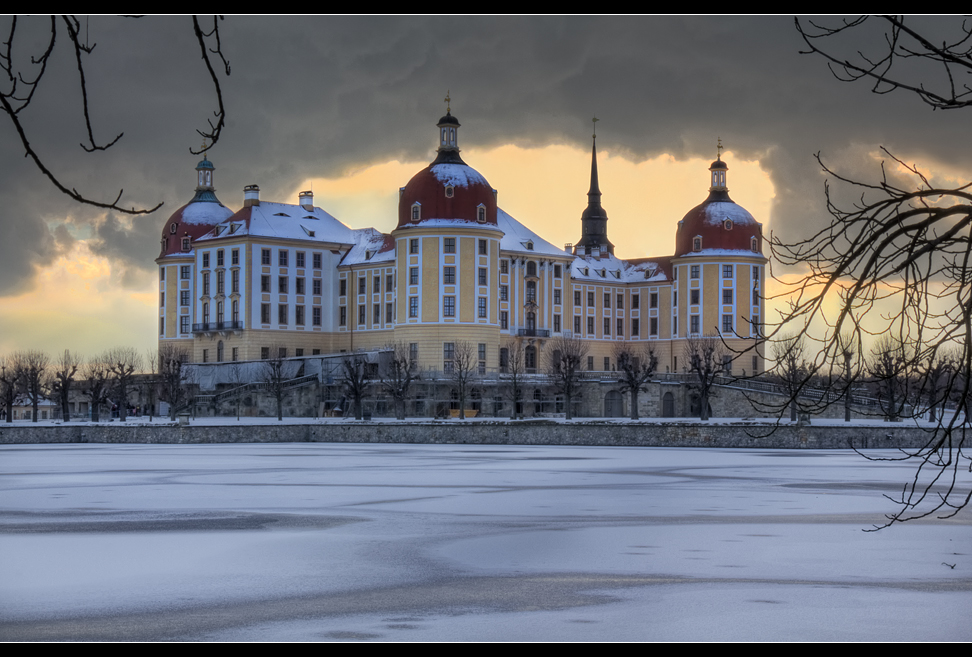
[[347, 107]]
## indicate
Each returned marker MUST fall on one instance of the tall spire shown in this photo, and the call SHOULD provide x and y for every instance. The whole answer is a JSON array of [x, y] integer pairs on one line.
[[594, 218]]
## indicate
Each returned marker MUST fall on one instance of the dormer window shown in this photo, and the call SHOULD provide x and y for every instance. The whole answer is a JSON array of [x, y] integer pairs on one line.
[[697, 243], [368, 255], [185, 243], [529, 246], [754, 244], [727, 224], [450, 191], [416, 212], [172, 228], [481, 216]]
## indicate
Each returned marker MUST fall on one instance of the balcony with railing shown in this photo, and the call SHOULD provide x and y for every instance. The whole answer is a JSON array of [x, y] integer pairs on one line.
[[217, 326], [533, 333]]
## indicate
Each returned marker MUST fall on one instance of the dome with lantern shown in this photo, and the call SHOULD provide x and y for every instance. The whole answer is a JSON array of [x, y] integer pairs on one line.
[[195, 218], [718, 226], [448, 191]]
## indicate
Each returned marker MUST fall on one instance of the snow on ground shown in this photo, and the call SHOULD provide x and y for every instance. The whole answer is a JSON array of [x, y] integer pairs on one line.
[[462, 542]]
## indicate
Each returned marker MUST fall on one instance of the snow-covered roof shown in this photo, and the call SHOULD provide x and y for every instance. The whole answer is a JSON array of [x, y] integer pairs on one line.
[[370, 247], [611, 269], [460, 223], [717, 212], [283, 221], [457, 175], [518, 237], [710, 253], [204, 213]]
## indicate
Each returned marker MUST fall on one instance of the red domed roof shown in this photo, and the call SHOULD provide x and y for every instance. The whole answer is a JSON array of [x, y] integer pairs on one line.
[[722, 225], [430, 190], [194, 220]]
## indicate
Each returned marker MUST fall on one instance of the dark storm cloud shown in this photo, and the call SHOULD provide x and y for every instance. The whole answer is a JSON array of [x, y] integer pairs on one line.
[[315, 96]]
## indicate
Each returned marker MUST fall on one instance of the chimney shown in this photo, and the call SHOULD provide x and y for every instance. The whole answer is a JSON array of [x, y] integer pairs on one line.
[[307, 201], [251, 195]]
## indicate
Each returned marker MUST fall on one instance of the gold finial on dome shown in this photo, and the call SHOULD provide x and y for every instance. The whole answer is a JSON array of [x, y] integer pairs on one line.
[[719, 149], [448, 102]]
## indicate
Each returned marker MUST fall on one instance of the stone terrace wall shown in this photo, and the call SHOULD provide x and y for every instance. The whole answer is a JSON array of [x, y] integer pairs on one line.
[[527, 432]]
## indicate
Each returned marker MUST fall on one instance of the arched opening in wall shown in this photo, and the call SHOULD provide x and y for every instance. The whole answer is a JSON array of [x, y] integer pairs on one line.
[[668, 405], [613, 404]]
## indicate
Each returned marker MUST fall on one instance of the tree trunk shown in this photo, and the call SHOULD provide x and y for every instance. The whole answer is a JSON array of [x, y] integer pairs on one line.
[[793, 411], [65, 407], [634, 404], [704, 410], [569, 415]]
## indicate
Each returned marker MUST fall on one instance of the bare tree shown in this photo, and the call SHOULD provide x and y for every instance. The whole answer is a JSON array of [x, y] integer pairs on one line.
[[848, 348], [933, 381], [397, 375], [513, 370], [239, 381], [889, 368], [174, 374], [123, 364], [9, 382], [32, 366], [274, 377], [357, 381], [902, 246], [23, 80], [565, 355], [705, 356], [462, 371], [790, 365], [97, 380], [61, 380], [634, 370]]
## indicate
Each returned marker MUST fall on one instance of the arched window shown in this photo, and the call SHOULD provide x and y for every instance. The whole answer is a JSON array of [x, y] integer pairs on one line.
[[416, 212], [697, 243], [754, 244], [727, 224]]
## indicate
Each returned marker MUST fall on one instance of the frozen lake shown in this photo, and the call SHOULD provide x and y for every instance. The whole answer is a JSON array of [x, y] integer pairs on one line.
[[459, 542]]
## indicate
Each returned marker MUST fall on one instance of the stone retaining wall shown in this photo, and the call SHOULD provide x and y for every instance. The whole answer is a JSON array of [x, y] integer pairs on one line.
[[526, 432]]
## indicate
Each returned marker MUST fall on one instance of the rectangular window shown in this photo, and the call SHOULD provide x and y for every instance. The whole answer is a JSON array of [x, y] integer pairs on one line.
[[448, 356], [590, 326], [264, 283], [265, 257], [755, 280], [577, 322], [343, 320], [675, 327], [756, 298], [577, 298], [376, 314], [695, 271], [219, 258], [653, 326], [236, 281], [504, 293], [694, 297], [300, 259], [317, 286], [205, 260], [317, 315], [161, 273], [413, 352], [607, 363], [205, 278], [317, 261], [299, 319], [283, 257], [607, 300], [620, 331], [282, 284], [413, 306], [727, 271], [620, 303], [362, 285], [727, 296], [298, 352], [413, 275], [449, 275], [413, 246], [185, 272], [184, 324], [483, 247], [375, 284], [282, 352], [482, 351], [282, 313], [675, 298], [727, 323], [264, 352], [449, 306], [361, 314], [590, 299], [343, 287], [481, 304], [482, 275], [558, 271], [504, 266], [556, 297], [635, 328], [448, 244], [607, 326], [389, 312], [389, 283], [315, 352], [265, 313], [184, 298], [556, 324], [205, 355], [161, 325], [590, 363], [694, 327], [221, 281], [652, 300]]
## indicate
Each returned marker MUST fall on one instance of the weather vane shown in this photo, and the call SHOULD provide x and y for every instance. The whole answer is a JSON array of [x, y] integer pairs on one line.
[[447, 102], [719, 149], [594, 121]]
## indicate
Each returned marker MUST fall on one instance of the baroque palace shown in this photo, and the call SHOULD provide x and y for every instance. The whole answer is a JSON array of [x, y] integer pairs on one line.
[[456, 268]]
